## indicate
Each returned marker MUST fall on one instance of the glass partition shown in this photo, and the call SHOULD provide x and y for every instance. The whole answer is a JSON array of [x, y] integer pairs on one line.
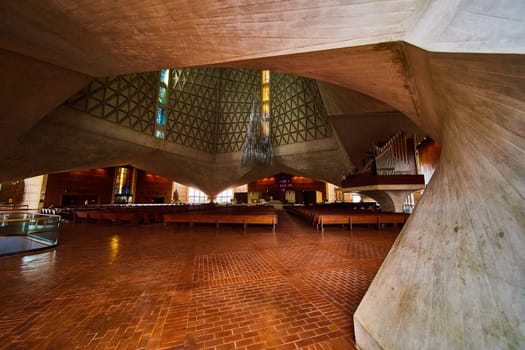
[[22, 232]]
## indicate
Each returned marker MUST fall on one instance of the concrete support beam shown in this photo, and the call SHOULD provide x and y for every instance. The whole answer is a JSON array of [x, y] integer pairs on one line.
[[29, 90]]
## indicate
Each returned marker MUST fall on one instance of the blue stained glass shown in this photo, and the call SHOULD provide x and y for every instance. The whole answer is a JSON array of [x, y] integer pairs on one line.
[[165, 76], [161, 116], [163, 95], [159, 134]]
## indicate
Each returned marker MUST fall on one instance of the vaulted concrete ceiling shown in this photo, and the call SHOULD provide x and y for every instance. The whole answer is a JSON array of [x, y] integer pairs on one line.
[[50, 51], [455, 277]]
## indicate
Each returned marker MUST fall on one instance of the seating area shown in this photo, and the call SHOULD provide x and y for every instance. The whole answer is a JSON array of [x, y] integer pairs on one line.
[[229, 215], [136, 214], [320, 216], [185, 214]]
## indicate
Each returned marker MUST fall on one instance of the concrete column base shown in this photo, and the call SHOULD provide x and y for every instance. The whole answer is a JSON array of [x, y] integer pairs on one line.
[[363, 339]]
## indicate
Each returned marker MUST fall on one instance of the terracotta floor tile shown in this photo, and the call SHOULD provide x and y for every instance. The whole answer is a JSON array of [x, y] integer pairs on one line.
[[150, 287]]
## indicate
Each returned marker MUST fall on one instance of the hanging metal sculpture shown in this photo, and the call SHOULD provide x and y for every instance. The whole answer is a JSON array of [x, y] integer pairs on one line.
[[257, 148]]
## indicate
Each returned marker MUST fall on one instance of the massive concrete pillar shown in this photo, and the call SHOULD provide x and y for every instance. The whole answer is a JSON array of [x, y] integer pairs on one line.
[[455, 278]]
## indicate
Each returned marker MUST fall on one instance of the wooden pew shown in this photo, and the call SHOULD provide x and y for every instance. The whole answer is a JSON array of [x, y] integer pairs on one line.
[[263, 219], [392, 218], [203, 218], [108, 216], [124, 216], [80, 215], [230, 219], [333, 219], [363, 218], [176, 218], [94, 215]]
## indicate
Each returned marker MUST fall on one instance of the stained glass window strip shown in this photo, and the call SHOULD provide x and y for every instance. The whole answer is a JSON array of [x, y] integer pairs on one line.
[[265, 98], [165, 76], [161, 116], [163, 95], [160, 124]]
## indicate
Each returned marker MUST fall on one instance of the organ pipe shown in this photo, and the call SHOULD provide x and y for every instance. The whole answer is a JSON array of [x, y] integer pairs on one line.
[[393, 156]]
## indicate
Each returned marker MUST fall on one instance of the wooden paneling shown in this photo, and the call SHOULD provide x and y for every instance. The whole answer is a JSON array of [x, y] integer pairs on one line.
[[151, 188], [276, 186], [429, 152], [75, 187]]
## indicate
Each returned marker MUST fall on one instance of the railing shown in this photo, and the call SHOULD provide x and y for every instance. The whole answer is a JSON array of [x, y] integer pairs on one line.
[[22, 232], [369, 180], [13, 207]]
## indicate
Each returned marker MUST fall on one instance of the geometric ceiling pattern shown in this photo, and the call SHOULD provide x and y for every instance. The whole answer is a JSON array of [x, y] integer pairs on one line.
[[297, 110], [208, 109], [192, 108], [239, 87], [127, 100]]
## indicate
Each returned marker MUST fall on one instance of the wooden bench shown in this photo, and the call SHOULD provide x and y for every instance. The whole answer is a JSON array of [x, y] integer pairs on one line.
[[190, 218], [176, 218], [94, 215], [217, 219], [364, 219], [146, 217], [203, 218], [392, 218], [127, 217], [263, 219], [230, 219], [333, 219], [80, 215], [108, 216]]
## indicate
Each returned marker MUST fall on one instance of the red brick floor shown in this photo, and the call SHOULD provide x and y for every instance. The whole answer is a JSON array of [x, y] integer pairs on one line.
[[146, 287]]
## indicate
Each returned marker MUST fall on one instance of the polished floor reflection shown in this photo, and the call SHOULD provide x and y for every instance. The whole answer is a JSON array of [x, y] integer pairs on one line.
[[15, 244], [146, 287]]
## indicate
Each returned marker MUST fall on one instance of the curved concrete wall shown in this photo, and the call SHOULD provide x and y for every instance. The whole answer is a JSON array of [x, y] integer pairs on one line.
[[455, 278], [469, 26]]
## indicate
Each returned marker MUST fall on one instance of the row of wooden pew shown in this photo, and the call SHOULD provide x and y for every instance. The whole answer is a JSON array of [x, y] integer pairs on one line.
[[321, 216], [116, 216], [230, 215], [134, 214], [177, 214]]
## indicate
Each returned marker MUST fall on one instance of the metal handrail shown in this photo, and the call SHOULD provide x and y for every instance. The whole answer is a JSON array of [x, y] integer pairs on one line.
[[30, 219], [22, 230]]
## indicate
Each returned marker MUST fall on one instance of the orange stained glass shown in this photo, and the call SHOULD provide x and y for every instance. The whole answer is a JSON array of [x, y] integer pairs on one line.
[[121, 178], [265, 93], [266, 77]]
